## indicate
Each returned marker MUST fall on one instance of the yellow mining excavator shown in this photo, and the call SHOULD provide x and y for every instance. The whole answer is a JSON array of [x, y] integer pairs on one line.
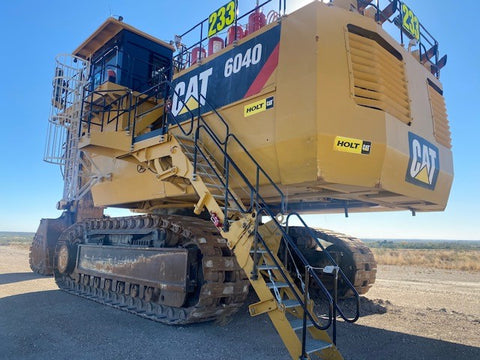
[[220, 139]]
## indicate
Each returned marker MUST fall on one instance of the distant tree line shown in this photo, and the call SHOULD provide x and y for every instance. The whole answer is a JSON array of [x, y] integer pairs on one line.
[[425, 244]]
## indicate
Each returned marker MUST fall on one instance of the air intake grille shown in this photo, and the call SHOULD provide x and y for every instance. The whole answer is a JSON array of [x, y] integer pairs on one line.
[[441, 129], [378, 74]]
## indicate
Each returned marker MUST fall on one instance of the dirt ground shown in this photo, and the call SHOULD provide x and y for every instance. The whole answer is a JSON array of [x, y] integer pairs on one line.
[[410, 313]]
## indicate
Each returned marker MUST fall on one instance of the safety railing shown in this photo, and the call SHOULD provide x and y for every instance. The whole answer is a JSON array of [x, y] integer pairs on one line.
[[395, 12], [302, 300], [97, 108], [265, 210], [102, 107], [197, 36], [332, 261], [198, 125]]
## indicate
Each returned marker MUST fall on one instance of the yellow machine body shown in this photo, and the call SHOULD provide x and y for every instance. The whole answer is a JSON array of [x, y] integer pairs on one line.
[[357, 122]]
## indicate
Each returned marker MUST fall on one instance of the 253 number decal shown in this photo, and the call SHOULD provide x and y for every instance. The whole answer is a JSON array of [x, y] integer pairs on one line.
[[220, 19], [410, 22]]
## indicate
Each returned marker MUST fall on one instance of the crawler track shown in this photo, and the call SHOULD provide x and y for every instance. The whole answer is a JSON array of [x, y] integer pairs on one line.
[[224, 287], [38, 258], [352, 255]]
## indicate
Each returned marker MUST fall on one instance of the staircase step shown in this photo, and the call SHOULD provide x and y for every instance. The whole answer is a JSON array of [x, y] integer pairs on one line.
[[267, 267], [190, 146], [314, 345], [277, 285], [290, 303], [297, 324], [218, 196], [210, 174], [204, 165], [190, 154], [215, 186], [184, 139], [200, 158], [259, 251]]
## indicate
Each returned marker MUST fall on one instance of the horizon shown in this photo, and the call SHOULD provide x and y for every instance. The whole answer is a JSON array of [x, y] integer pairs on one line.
[[4, 232]]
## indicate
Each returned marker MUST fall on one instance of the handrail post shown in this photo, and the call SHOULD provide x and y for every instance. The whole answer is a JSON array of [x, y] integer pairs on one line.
[[201, 44], [236, 21], [166, 106], [333, 271], [335, 294], [305, 310], [81, 113], [254, 272], [134, 121], [195, 153], [129, 113], [90, 114], [225, 210], [103, 113], [118, 113]]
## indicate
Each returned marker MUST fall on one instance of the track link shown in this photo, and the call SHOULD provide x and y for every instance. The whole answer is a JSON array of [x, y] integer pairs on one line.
[[224, 288]]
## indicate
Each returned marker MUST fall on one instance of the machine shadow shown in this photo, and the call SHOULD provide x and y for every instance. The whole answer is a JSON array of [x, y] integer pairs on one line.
[[348, 307], [361, 342], [45, 323], [9, 278]]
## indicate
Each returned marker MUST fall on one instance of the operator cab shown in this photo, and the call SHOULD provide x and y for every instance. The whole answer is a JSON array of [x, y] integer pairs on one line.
[[121, 54]]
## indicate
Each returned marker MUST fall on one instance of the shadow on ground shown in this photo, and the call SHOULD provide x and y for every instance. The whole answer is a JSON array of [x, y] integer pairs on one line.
[[57, 325], [17, 277], [362, 342], [349, 308]]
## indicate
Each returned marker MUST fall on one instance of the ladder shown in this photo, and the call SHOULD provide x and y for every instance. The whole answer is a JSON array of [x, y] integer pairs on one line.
[[71, 74], [286, 300]]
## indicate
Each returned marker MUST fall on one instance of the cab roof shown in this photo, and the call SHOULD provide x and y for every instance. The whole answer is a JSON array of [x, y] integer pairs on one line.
[[107, 31]]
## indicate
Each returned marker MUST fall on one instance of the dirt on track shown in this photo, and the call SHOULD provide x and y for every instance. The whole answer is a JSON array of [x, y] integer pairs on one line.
[[410, 313]]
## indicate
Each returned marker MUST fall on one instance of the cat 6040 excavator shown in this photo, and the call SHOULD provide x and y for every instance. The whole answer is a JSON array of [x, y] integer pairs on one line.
[[220, 139]]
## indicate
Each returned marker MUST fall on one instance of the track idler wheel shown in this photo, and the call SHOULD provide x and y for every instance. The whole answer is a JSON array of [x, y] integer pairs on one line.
[[65, 258]]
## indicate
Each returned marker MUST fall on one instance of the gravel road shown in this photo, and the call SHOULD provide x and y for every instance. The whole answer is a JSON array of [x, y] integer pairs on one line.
[[410, 313]]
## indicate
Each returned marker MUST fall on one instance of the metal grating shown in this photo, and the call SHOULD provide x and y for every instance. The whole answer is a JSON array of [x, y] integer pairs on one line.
[[441, 128], [378, 75]]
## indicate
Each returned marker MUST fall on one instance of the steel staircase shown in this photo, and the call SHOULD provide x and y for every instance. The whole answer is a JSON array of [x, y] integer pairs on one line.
[[256, 244]]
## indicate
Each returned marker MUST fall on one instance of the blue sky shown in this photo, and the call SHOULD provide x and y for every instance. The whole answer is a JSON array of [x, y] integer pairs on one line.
[[34, 32]]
